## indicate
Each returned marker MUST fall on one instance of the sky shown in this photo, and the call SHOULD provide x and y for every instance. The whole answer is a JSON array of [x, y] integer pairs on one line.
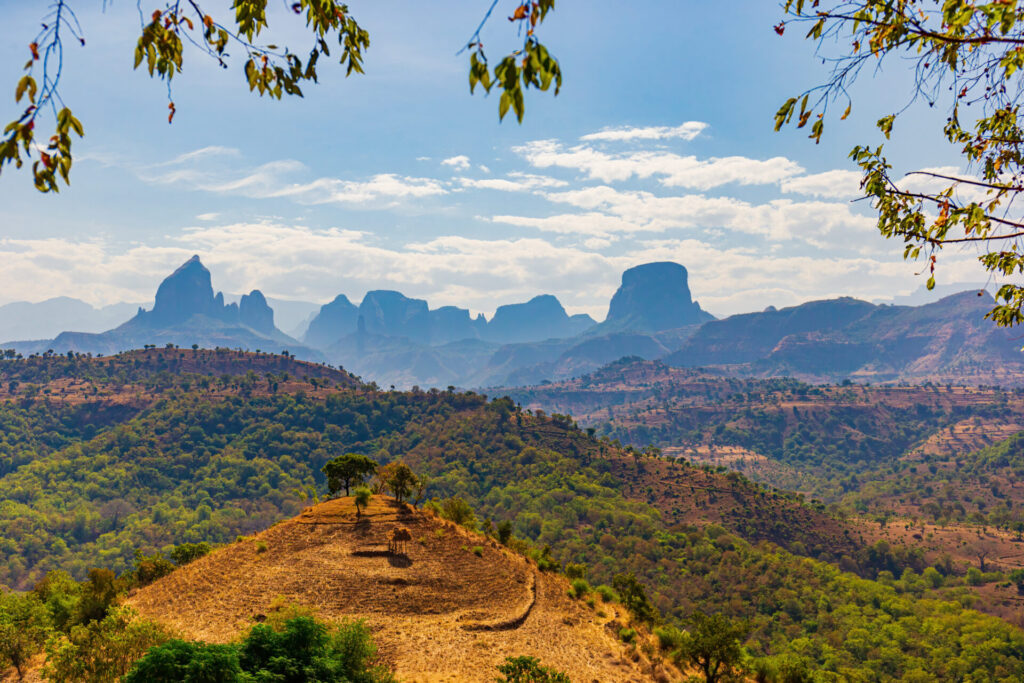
[[659, 147]]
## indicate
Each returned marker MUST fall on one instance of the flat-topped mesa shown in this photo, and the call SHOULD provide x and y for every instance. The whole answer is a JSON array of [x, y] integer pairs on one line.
[[654, 297], [393, 314]]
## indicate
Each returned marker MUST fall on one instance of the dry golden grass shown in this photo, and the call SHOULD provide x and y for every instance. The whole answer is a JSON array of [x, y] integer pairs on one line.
[[450, 609]]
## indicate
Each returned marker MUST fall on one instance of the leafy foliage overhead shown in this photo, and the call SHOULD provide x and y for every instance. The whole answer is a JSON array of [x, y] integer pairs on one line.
[[170, 27], [965, 57]]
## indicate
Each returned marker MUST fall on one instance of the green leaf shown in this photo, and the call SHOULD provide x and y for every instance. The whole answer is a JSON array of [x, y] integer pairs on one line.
[[503, 104]]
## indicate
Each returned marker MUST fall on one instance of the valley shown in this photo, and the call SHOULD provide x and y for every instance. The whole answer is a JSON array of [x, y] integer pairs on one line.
[[109, 460], [697, 363]]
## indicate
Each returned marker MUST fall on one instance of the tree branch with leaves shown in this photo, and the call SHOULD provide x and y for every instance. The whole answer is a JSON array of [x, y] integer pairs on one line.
[[966, 57], [168, 28]]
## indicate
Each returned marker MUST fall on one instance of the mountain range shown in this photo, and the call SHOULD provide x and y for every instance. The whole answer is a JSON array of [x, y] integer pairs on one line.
[[393, 339]]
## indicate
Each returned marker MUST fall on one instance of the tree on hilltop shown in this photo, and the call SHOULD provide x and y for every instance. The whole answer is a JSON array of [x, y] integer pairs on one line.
[[399, 478], [348, 470], [363, 495]]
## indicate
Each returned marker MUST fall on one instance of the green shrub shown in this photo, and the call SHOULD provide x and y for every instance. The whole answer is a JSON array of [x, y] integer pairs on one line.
[[178, 660], [504, 532], [634, 597], [184, 553], [576, 570], [102, 650], [61, 595], [580, 587], [478, 550], [459, 511], [543, 558], [302, 649], [669, 637], [98, 594], [261, 547], [529, 670], [627, 635], [607, 593], [149, 568], [974, 577]]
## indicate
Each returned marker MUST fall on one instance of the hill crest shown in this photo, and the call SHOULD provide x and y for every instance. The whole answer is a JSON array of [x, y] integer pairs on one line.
[[452, 606]]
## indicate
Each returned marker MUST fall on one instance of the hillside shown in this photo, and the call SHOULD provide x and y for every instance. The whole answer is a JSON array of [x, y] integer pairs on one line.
[[204, 460], [820, 440], [77, 374], [451, 608]]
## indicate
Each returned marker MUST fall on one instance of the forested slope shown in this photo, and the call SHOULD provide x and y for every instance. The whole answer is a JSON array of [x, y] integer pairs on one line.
[[191, 463]]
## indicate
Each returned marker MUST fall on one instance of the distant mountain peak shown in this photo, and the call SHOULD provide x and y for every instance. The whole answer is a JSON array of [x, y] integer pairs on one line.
[[254, 311], [653, 297], [542, 317], [186, 292]]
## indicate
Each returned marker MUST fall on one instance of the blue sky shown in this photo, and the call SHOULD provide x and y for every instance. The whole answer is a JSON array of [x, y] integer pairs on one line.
[[659, 147]]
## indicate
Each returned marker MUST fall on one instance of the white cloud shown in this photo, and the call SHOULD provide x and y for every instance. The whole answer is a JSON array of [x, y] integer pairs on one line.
[[210, 152], [383, 186], [836, 184], [739, 280], [568, 238], [687, 131], [813, 222], [275, 179], [671, 169], [459, 163], [594, 224], [515, 182]]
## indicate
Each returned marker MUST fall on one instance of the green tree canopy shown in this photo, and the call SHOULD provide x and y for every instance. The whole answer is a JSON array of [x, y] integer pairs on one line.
[[633, 596], [169, 28], [348, 470], [399, 479], [24, 626], [303, 649], [966, 58], [713, 644]]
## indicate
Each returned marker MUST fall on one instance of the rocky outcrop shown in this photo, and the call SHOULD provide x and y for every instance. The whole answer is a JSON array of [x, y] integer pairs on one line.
[[450, 324], [334, 321], [540, 318], [184, 293], [392, 314], [654, 297], [255, 312]]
